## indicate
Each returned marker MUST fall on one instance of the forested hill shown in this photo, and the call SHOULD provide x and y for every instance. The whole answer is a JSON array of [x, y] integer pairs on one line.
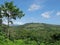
[[37, 26], [30, 34]]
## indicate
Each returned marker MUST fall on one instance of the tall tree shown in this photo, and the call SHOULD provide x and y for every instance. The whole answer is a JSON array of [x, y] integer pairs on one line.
[[10, 11], [0, 18]]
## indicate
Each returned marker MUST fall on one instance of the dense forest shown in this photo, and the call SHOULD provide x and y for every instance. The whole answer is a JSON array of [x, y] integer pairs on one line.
[[30, 34]]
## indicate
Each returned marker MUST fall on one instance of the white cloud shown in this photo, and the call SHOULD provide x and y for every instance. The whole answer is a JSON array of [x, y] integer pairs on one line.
[[15, 22], [46, 14], [34, 7], [58, 13], [18, 23], [5, 23]]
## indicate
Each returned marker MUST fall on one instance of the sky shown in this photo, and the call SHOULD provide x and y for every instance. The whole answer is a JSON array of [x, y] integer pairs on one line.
[[37, 11]]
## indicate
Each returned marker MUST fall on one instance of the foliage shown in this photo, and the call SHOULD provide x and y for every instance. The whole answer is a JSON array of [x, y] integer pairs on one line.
[[31, 34], [10, 11]]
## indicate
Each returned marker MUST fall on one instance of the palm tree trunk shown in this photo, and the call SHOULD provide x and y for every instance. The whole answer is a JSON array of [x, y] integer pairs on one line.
[[8, 28], [8, 31], [0, 18], [0, 21]]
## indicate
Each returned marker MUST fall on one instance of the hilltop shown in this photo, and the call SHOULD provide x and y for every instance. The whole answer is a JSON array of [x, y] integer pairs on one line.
[[38, 26]]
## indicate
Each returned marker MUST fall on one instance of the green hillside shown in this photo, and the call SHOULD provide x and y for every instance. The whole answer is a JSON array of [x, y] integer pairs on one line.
[[41, 26], [31, 34]]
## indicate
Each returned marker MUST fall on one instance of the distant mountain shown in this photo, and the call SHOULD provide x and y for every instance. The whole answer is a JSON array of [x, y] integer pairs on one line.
[[38, 26]]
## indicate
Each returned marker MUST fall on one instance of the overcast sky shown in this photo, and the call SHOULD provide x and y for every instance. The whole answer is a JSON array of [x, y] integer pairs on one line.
[[38, 11]]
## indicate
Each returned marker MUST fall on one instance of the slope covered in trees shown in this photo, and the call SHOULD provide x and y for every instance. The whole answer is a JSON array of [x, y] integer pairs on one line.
[[31, 34]]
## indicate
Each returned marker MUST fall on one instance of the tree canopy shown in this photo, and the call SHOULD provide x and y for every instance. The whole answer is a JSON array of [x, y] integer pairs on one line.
[[10, 11]]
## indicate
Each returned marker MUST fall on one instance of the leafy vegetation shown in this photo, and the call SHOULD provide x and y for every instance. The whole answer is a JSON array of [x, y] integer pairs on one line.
[[31, 34]]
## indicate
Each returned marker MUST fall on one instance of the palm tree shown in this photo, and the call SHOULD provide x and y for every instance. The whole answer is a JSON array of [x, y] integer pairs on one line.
[[10, 12]]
